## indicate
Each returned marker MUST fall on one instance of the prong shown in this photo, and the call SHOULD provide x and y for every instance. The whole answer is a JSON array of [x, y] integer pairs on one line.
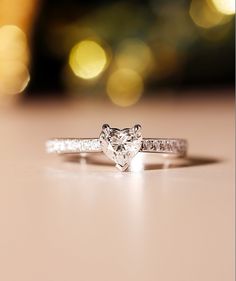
[[105, 128], [137, 128], [122, 168]]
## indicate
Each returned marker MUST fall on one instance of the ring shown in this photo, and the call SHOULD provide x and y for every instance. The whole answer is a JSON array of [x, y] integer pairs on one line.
[[119, 145]]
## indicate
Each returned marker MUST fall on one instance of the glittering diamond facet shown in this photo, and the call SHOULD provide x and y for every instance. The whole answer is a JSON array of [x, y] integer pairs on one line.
[[121, 145]]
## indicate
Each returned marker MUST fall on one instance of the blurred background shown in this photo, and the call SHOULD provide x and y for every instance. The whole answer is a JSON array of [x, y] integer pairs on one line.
[[120, 51]]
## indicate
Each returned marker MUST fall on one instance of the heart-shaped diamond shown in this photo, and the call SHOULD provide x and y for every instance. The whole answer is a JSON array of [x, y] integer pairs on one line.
[[121, 145]]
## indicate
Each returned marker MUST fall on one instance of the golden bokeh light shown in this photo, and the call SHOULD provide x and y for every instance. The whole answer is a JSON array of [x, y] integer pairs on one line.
[[134, 54], [14, 57], [87, 59], [125, 87], [13, 44], [226, 7], [204, 15], [14, 77]]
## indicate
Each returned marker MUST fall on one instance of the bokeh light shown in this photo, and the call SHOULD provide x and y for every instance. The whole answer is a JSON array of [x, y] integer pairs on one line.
[[134, 54], [14, 57], [13, 44], [14, 77], [87, 59], [125, 87], [226, 7], [204, 15]]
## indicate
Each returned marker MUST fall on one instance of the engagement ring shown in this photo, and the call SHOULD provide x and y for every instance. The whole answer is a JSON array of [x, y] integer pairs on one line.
[[121, 146]]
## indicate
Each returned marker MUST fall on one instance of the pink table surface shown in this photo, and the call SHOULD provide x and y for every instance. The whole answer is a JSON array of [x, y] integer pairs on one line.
[[61, 220]]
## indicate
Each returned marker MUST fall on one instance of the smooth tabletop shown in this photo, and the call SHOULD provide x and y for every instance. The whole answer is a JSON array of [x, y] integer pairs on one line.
[[70, 219]]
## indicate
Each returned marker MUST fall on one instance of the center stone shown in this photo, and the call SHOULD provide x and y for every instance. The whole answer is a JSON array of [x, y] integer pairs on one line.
[[121, 145]]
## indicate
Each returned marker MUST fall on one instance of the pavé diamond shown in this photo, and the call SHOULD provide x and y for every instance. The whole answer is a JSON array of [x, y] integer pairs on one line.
[[121, 145]]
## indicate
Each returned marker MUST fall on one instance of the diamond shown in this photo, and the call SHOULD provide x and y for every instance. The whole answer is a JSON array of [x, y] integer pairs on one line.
[[121, 145], [149, 145], [162, 145]]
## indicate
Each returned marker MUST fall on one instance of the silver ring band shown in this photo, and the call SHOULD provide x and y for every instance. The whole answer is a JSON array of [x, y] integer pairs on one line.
[[119, 145], [177, 147]]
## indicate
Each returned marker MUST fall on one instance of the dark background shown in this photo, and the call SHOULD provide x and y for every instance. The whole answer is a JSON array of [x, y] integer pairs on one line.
[[205, 55]]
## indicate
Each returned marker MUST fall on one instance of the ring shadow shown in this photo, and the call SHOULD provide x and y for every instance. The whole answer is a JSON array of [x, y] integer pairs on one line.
[[166, 163], [181, 163]]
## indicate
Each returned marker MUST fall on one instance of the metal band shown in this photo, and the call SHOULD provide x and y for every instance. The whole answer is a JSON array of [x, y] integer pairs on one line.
[[176, 147]]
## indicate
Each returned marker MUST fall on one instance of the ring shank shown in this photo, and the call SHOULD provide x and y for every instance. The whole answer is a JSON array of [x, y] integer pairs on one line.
[[177, 147]]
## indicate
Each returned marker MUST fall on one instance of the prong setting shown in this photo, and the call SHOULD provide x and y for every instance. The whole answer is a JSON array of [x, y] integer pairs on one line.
[[106, 128], [137, 128], [122, 168]]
